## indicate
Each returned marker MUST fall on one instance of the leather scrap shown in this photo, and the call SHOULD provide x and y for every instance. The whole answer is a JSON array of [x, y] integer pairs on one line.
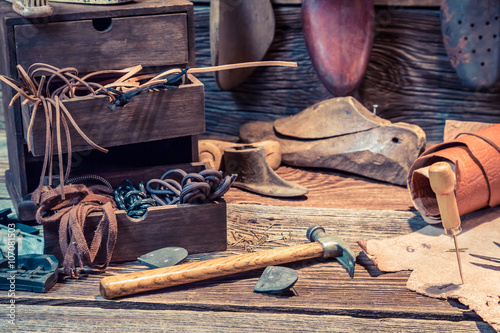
[[454, 128], [71, 213], [434, 267], [475, 158]]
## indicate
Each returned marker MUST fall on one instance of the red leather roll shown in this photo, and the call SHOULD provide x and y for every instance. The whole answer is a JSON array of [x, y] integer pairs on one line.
[[475, 158]]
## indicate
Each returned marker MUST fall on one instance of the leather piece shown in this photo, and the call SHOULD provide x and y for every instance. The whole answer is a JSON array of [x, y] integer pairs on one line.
[[431, 256], [471, 35], [454, 128], [477, 167]]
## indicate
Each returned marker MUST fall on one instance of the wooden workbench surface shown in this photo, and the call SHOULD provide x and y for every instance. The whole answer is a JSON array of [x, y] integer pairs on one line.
[[327, 299], [355, 208]]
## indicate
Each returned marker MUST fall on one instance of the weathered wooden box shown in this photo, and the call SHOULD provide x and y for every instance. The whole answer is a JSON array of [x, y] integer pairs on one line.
[[195, 227], [154, 131]]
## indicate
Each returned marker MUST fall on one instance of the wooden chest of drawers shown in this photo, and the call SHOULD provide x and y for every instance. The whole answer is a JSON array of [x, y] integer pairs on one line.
[[154, 131]]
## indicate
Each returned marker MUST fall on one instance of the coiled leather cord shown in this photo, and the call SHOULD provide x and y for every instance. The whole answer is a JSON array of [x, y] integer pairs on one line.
[[173, 187], [135, 201]]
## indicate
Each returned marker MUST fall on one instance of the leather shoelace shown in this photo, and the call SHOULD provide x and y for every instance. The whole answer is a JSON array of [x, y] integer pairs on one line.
[[71, 214], [37, 88]]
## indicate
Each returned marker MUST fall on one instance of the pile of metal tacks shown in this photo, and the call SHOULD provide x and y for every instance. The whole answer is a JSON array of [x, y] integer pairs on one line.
[[252, 239]]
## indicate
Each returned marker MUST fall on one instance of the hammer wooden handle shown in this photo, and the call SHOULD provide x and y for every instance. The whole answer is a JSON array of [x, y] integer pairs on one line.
[[442, 180], [132, 283]]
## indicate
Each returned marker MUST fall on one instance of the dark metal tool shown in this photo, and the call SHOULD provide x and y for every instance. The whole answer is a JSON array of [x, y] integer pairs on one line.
[[323, 245], [276, 279], [34, 272], [4, 220], [4, 213], [165, 257], [27, 243], [494, 259]]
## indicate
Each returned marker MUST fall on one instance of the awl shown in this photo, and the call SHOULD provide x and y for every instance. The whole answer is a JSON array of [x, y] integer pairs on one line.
[[442, 181]]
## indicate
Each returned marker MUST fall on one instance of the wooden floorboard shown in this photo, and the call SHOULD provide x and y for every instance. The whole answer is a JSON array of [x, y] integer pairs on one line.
[[64, 319]]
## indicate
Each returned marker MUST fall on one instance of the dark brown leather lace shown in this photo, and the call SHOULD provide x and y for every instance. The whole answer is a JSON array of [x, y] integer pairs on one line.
[[72, 213]]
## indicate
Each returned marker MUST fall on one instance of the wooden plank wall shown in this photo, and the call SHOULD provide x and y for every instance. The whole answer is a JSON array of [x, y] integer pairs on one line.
[[409, 76]]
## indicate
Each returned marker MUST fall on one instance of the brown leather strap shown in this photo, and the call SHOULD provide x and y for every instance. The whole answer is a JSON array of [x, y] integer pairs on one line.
[[71, 213]]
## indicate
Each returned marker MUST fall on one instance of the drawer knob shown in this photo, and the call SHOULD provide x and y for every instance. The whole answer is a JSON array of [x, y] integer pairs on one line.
[[102, 24]]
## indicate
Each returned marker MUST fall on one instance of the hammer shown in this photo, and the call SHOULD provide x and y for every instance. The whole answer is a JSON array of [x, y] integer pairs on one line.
[[323, 245]]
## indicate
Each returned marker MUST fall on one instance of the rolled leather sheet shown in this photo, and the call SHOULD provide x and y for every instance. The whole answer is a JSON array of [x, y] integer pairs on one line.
[[475, 158]]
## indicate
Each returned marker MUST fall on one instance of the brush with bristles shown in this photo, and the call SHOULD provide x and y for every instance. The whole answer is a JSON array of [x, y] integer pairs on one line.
[[32, 8]]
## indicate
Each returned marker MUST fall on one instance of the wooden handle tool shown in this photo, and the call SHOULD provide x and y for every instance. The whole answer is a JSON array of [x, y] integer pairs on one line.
[[442, 181], [322, 245]]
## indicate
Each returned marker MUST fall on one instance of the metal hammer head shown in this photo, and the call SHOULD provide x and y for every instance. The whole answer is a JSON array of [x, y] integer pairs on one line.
[[333, 247]]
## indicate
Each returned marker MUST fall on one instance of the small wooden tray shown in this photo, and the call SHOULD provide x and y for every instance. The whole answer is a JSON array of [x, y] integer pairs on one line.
[[196, 227]]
